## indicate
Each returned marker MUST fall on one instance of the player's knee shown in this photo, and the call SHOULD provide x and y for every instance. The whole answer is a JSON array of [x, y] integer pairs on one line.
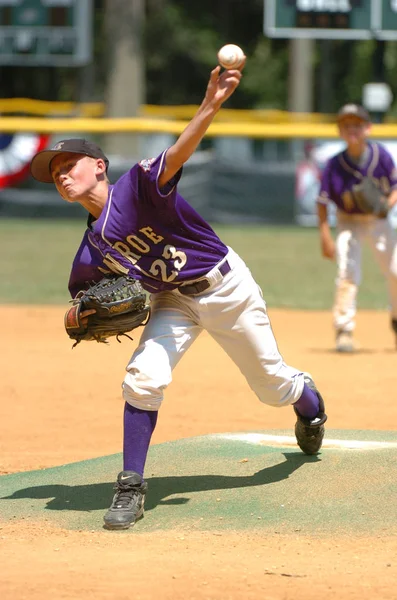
[[142, 392], [349, 276], [278, 391], [141, 398]]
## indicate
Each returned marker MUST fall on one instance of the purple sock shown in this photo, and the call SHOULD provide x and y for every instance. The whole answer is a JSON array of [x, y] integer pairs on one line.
[[138, 428], [308, 404]]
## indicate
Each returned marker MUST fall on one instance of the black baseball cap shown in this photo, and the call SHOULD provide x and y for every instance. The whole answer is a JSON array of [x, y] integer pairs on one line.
[[40, 167], [353, 110]]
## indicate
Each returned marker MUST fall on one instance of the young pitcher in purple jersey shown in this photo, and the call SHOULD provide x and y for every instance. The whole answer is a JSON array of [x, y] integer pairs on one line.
[[341, 174], [142, 226]]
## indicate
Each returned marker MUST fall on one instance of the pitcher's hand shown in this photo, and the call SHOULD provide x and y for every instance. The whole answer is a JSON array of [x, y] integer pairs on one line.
[[222, 85]]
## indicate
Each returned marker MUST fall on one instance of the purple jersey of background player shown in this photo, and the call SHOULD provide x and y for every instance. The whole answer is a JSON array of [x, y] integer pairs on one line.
[[341, 174], [152, 234]]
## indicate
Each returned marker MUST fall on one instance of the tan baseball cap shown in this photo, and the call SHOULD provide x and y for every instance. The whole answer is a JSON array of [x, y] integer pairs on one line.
[[353, 110]]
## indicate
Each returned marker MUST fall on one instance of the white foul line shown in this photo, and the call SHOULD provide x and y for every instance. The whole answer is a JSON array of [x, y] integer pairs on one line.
[[286, 440]]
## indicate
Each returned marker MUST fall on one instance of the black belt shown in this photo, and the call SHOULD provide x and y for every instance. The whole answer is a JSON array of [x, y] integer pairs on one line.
[[198, 287]]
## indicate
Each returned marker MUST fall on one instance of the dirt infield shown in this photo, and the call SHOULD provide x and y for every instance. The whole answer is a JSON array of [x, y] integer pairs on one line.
[[61, 405]]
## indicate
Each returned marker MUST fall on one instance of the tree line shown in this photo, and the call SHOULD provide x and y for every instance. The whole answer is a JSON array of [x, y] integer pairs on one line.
[[179, 43]]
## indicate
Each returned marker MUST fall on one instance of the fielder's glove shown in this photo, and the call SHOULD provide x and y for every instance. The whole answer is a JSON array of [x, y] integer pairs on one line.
[[370, 199], [120, 304]]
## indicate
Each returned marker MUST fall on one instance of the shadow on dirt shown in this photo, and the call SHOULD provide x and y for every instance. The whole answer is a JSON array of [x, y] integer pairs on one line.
[[98, 495]]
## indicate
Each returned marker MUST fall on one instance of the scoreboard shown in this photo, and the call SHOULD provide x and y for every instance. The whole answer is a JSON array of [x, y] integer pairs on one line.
[[331, 19], [45, 32]]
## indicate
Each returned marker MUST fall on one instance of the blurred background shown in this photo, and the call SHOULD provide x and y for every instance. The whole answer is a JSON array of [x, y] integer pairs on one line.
[[129, 74]]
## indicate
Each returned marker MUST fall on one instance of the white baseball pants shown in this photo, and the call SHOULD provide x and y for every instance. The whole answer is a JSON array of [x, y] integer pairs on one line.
[[352, 231], [233, 311]]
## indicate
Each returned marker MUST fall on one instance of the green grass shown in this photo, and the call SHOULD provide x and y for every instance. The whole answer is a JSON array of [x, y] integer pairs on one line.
[[36, 259], [285, 261]]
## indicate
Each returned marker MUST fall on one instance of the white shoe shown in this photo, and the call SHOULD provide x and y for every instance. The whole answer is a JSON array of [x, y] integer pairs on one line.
[[345, 342]]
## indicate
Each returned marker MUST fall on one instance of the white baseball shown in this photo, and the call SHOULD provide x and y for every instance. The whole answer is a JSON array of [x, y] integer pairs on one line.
[[230, 56]]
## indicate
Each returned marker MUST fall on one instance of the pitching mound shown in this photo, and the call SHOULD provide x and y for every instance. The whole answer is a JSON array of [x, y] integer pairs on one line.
[[236, 481]]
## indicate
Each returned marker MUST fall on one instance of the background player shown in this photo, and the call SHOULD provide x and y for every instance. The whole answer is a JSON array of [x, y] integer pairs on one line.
[[342, 172], [141, 225]]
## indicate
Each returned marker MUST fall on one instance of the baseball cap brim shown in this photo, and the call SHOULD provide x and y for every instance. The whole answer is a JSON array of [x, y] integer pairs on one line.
[[353, 110], [347, 116], [40, 166]]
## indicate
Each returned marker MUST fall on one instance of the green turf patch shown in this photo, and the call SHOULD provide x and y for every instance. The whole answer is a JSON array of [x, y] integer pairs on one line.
[[221, 483]]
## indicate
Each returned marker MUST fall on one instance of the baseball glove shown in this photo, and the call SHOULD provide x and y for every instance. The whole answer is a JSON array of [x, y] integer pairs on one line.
[[120, 305], [370, 199]]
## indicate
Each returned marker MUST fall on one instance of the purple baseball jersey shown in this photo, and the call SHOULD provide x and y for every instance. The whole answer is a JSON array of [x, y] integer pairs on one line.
[[341, 174], [150, 233]]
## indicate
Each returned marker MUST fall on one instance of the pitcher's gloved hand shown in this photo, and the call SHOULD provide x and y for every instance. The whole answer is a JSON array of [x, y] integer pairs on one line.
[[120, 305]]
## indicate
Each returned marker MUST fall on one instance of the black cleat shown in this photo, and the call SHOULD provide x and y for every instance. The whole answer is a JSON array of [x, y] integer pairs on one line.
[[394, 327], [128, 501], [310, 432]]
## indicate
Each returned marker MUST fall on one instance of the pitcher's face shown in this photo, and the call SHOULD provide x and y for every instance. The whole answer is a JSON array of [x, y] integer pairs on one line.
[[75, 175]]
